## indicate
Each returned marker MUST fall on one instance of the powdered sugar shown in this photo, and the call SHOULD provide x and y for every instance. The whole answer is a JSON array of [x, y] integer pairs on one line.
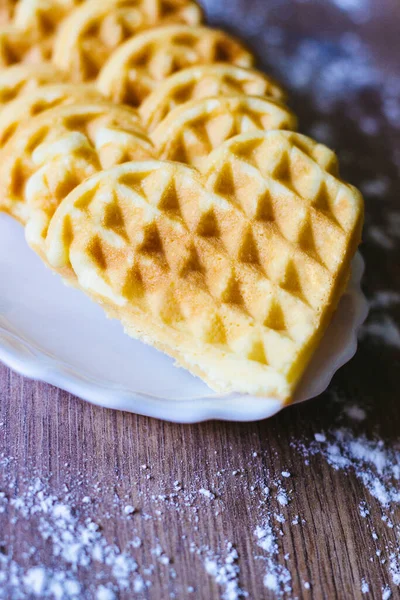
[[277, 577], [78, 544], [376, 465], [364, 587], [226, 572]]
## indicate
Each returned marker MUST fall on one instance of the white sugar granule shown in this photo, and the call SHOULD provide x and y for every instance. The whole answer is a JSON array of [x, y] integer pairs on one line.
[[139, 585], [386, 593], [35, 580], [282, 498], [355, 412], [129, 510], [364, 587], [207, 493], [105, 593]]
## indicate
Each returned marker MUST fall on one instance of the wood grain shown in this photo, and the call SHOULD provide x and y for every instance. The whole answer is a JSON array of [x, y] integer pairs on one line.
[[48, 433]]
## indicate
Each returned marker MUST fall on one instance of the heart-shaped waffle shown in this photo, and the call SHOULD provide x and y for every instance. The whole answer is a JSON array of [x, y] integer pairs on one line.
[[17, 112], [53, 152], [89, 35], [192, 130], [137, 67], [24, 79], [205, 81], [235, 272]]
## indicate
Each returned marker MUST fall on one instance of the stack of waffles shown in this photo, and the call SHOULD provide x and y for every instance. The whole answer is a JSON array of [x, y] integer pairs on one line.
[[154, 168]]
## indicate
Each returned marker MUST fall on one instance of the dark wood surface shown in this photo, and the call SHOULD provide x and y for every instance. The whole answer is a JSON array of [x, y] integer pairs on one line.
[[72, 445]]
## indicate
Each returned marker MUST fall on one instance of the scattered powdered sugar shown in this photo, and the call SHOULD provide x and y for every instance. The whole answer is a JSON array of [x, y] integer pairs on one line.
[[277, 577], [375, 464], [77, 543], [364, 512], [226, 572], [394, 566]]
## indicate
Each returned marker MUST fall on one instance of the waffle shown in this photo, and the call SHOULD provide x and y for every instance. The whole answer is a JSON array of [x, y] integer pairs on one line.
[[93, 31], [56, 150], [7, 8], [42, 16], [30, 35], [205, 81], [17, 112], [234, 272], [191, 131], [24, 79], [136, 68], [16, 46]]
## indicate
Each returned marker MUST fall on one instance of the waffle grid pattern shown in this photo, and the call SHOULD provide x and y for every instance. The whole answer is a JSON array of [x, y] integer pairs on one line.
[[233, 267], [136, 68], [87, 38], [207, 259], [205, 81], [80, 137], [191, 131]]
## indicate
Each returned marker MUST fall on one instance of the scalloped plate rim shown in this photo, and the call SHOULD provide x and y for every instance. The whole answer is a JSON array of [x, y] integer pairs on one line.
[[25, 359]]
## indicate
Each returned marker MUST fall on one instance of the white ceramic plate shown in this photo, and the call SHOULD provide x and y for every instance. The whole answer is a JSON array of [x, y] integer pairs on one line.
[[54, 333]]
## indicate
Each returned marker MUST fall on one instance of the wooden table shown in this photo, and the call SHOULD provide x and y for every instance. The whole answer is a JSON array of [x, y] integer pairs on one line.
[[118, 459]]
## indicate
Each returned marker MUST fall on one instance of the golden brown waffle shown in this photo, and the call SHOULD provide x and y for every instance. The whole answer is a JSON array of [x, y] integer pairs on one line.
[[87, 38], [136, 68], [29, 38], [7, 8], [205, 81], [16, 47], [24, 79], [42, 16], [53, 152], [16, 113], [235, 273], [191, 131]]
